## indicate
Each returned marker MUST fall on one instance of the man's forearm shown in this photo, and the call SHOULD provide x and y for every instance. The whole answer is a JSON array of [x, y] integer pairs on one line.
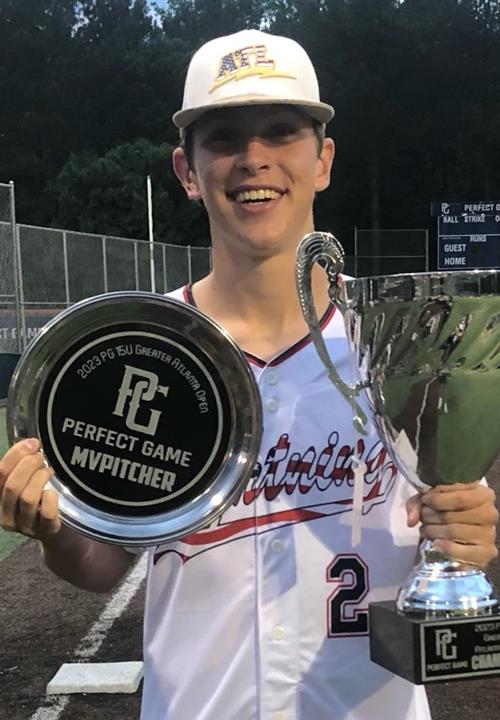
[[84, 562]]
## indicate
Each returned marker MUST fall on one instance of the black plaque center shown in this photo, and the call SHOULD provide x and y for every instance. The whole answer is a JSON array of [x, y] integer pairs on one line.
[[135, 420]]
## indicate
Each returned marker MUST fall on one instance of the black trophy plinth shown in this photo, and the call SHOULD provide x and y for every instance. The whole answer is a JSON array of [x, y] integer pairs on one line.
[[425, 651]]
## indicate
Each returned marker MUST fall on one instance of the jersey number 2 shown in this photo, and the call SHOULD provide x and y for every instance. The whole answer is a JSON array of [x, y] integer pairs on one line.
[[350, 577]]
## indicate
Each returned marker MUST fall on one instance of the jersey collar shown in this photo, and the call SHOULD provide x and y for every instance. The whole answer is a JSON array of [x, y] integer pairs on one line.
[[285, 354]]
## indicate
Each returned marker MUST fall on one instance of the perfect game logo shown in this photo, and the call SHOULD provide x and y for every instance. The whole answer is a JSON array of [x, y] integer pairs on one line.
[[133, 421], [461, 649]]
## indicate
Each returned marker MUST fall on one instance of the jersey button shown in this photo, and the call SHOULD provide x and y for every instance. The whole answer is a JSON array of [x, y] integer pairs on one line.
[[277, 545], [278, 632], [272, 404], [272, 377]]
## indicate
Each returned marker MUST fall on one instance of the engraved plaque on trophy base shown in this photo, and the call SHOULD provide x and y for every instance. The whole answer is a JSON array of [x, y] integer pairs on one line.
[[424, 651]]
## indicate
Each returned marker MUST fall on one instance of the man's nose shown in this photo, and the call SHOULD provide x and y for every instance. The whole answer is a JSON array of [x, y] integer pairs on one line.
[[253, 155]]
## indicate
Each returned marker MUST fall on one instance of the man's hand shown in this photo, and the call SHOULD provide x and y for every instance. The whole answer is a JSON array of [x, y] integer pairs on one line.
[[461, 518], [25, 506]]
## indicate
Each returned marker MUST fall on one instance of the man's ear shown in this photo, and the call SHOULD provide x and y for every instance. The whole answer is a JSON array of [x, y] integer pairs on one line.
[[186, 176], [325, 162]]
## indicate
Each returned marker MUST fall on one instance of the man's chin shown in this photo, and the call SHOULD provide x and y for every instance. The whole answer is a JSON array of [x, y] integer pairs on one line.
[[265, 247]]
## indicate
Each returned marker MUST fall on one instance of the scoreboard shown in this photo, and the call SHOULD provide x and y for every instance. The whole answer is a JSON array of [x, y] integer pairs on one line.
[[468, 235]]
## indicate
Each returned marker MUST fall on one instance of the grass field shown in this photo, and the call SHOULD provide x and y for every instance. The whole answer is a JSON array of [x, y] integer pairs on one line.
[[8, 541]]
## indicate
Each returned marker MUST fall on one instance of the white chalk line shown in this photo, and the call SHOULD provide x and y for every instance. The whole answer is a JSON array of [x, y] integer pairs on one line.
[[53, 706]]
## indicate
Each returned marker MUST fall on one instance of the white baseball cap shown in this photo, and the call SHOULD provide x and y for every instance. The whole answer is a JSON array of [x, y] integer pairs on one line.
[[250, 68]]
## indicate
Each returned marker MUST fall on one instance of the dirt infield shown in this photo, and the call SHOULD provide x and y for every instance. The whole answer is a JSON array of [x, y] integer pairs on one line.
[[42, 621]]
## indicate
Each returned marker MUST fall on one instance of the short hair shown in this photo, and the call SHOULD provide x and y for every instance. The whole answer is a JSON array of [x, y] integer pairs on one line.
[[187, 141]]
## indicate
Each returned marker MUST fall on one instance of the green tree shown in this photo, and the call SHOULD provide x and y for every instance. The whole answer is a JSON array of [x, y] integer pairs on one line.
[[35, 134], [107, 194], [355, 46], [79, 76], [415, 84]]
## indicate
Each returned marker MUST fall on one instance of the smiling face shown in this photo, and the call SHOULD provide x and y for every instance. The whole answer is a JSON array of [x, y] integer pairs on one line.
[[257, 169]]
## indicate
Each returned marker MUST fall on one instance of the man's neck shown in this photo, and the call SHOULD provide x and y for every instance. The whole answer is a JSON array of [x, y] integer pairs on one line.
[[256, 301]]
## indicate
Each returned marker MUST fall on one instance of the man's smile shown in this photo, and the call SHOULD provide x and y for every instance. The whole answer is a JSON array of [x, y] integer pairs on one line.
[[252, 197]]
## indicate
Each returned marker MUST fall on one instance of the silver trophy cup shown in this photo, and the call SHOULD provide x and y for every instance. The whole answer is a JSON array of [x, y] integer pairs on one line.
[[428, 352]]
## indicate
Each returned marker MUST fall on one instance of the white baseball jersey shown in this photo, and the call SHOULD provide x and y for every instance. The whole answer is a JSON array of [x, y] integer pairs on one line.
[[263, 615]]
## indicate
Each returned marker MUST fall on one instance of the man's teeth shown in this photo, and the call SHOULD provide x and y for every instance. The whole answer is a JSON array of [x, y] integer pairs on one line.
[[248, 195]]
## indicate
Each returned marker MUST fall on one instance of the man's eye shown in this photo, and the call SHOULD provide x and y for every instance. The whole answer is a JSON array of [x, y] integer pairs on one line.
[[228, 139], [221, 138]]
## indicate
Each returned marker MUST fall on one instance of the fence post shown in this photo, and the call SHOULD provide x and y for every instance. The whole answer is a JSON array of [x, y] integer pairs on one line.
[[18, 275], [104, 264], [66, 273], [136, 264], [12, 201], [189, 265], [152, 270], [24, 332], [164, 268], [355, 251]]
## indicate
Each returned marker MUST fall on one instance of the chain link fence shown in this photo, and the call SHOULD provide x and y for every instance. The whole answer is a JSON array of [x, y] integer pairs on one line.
[[43, 270], [63, 267]]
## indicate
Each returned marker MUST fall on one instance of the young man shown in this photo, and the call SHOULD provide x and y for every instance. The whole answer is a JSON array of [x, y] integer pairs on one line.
[[263, 615]]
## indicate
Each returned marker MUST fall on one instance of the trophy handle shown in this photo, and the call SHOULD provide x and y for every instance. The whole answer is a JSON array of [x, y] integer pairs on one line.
[[312, 248]]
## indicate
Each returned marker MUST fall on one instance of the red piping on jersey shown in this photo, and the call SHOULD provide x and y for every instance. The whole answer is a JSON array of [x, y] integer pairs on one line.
[[233, 528], [236, 526], [225, 532], [187, 292]]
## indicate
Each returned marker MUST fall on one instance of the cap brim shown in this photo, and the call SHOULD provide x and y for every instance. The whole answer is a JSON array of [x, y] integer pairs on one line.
[[317, 110]]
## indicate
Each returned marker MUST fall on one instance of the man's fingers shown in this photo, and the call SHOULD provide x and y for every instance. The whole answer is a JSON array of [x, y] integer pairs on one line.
[[25, 506], [478, 555], [15, 485], [30, 501], [16, 453], [413, 510], [486, 514], [458, 497], [471, 534], [48, 520]]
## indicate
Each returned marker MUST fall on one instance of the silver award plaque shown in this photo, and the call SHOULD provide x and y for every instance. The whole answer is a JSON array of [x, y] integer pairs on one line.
[[427, 350], [146, 410]]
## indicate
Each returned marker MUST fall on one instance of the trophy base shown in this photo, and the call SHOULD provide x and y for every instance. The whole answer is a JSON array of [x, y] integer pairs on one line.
[[424, 650]]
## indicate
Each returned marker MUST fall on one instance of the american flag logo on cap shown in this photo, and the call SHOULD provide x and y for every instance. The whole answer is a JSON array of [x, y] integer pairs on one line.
[[247, 61]]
